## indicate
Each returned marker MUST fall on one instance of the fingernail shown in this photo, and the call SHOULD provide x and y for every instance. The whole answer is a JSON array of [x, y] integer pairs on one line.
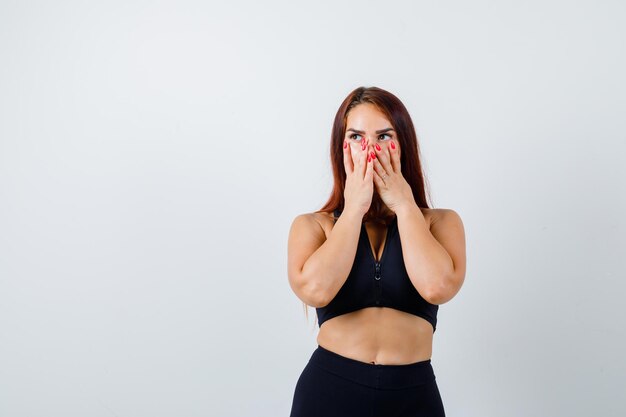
[[373, 155], [393, 145], [345, 144], [369, 158], [377, 147]]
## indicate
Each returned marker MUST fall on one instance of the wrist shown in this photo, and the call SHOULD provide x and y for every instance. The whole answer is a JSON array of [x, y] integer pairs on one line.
[[407, 208], [353, 213]]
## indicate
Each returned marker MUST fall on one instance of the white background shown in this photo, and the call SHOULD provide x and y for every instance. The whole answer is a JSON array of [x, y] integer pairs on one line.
[[154, 154]]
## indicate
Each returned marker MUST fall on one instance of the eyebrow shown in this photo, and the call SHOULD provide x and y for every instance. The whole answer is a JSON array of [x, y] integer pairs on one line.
[[360, 132]]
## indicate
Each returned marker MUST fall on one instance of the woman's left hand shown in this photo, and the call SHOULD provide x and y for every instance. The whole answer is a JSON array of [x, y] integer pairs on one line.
[[388, 179]]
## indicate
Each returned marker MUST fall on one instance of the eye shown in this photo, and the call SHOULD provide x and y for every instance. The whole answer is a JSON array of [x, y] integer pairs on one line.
[[384, 134], [353, 135]]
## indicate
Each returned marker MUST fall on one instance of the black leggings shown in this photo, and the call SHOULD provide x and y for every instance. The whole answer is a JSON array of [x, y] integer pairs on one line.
[[332, 385]]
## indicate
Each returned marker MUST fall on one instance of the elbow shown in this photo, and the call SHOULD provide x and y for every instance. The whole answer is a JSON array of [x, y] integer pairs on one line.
[[314, 296], [309, 292], [444, 290], [433, 297], [436, 292]]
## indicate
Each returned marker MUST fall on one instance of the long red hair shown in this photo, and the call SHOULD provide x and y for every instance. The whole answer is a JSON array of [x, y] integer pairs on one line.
[[394, 110], [410, 162]]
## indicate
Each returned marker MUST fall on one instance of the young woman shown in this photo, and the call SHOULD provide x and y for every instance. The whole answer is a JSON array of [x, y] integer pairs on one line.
[[376, 262]]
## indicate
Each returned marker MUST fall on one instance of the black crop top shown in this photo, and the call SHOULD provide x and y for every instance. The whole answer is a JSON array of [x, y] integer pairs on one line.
[[378, 284]]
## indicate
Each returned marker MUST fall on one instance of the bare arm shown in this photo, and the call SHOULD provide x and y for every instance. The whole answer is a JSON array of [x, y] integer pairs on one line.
[[319, 266], [434, 257]]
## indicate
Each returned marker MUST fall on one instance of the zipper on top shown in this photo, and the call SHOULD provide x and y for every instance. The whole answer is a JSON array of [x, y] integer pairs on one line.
[[378, 263]]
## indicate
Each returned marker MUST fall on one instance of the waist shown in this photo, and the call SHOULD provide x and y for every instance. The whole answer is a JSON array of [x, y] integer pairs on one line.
[[379, 335], [373, 375]]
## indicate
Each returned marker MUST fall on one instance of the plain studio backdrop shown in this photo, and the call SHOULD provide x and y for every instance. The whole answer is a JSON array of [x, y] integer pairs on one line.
[[154, 154]]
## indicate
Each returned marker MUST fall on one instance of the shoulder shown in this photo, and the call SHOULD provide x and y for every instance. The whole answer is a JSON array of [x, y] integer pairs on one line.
[[320, 217], [316, 223], [446, 225], [441, 216]]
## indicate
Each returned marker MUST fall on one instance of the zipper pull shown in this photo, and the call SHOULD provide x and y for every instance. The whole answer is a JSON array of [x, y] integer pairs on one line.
[[377, 275]]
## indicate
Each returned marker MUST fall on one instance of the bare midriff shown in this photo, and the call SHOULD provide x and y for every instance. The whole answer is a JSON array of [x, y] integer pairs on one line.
[[378, 335]]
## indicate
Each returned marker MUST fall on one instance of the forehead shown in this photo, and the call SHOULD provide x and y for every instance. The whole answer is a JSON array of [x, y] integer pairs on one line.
[[365, 116]]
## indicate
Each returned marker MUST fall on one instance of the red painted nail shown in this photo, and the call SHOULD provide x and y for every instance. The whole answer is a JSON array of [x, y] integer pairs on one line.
[[369, 158], [377, 147], [373, 155], [393, 145], [345, 144]]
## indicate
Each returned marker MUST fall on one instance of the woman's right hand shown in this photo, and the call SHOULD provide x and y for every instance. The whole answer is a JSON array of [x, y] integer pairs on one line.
[[359, 187]]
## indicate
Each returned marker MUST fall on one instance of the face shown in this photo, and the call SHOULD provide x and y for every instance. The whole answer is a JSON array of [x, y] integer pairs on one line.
[[366, 121]]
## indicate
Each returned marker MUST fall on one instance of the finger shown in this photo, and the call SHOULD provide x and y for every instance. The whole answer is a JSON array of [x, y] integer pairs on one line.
[[378, 180], [395, 157], [347, 158], [372, 158], [378, 167], [382, 174], [369, 171], [363, 159], [354, 157], [384, 158]]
